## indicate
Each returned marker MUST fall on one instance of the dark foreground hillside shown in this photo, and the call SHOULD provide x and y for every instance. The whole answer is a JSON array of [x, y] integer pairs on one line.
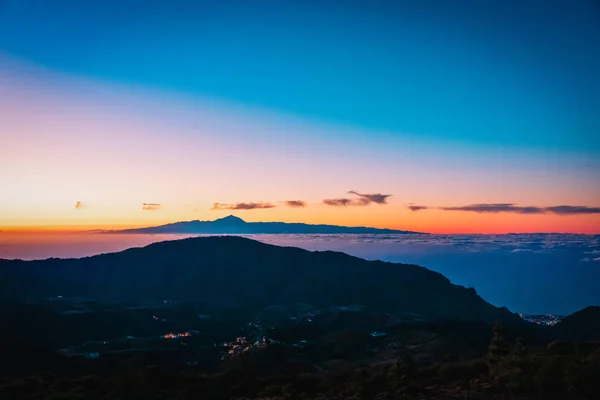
[[582, 325], [227, 317], [508, 370]]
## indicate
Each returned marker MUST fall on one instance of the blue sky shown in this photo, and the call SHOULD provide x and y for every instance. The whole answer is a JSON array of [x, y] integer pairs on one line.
[[521, 74]]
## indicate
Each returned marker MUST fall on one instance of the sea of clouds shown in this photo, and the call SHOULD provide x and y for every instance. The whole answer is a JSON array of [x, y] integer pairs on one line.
[[529, 273]]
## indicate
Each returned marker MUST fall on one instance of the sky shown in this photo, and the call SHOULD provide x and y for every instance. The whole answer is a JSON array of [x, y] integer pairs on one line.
[[444, 117]]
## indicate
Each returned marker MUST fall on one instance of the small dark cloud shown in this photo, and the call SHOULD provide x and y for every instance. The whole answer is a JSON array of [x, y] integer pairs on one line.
[[515, 209], [573, 210], [295, 203], [78, 205], [417, 208], [377, 198], [363, 199], [242, 206], [497, 208], [151, 206], [338, 202]]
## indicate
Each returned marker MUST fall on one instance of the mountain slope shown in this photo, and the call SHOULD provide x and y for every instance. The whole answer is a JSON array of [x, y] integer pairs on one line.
[[235, 225], [246, 275], [581, 325]]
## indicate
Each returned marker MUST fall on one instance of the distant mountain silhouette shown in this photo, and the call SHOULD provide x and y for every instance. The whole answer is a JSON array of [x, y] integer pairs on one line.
[[235, 225], [245, 275]]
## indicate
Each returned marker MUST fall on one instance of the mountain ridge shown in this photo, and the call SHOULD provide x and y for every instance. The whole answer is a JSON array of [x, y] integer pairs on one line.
[[235, 225]]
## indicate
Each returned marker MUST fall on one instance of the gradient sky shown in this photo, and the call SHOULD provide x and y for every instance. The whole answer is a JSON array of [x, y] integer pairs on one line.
[[187, 103]]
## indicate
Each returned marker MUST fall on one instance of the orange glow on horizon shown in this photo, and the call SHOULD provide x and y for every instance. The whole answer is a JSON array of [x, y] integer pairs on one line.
[[434, 221]]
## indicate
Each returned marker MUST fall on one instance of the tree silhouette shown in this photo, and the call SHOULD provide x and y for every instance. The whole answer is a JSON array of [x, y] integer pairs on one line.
[[499, 347]]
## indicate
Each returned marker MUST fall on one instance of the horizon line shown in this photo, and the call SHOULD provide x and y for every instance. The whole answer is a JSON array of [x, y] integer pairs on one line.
[[116, 228]]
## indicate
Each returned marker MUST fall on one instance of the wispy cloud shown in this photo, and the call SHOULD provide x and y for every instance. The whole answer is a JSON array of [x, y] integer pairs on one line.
[[588, 259], [338, 202], [151, 206], [363, 199], [295, 203], [377, 198], [570, 210], [494, 208], [242, 206], [497, 208]]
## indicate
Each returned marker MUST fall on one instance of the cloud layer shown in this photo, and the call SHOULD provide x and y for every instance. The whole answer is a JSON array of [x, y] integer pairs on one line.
[[242, 206]]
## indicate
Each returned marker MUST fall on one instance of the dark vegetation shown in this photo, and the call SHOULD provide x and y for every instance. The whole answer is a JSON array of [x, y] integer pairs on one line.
[[271, 322], [510, 370]]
